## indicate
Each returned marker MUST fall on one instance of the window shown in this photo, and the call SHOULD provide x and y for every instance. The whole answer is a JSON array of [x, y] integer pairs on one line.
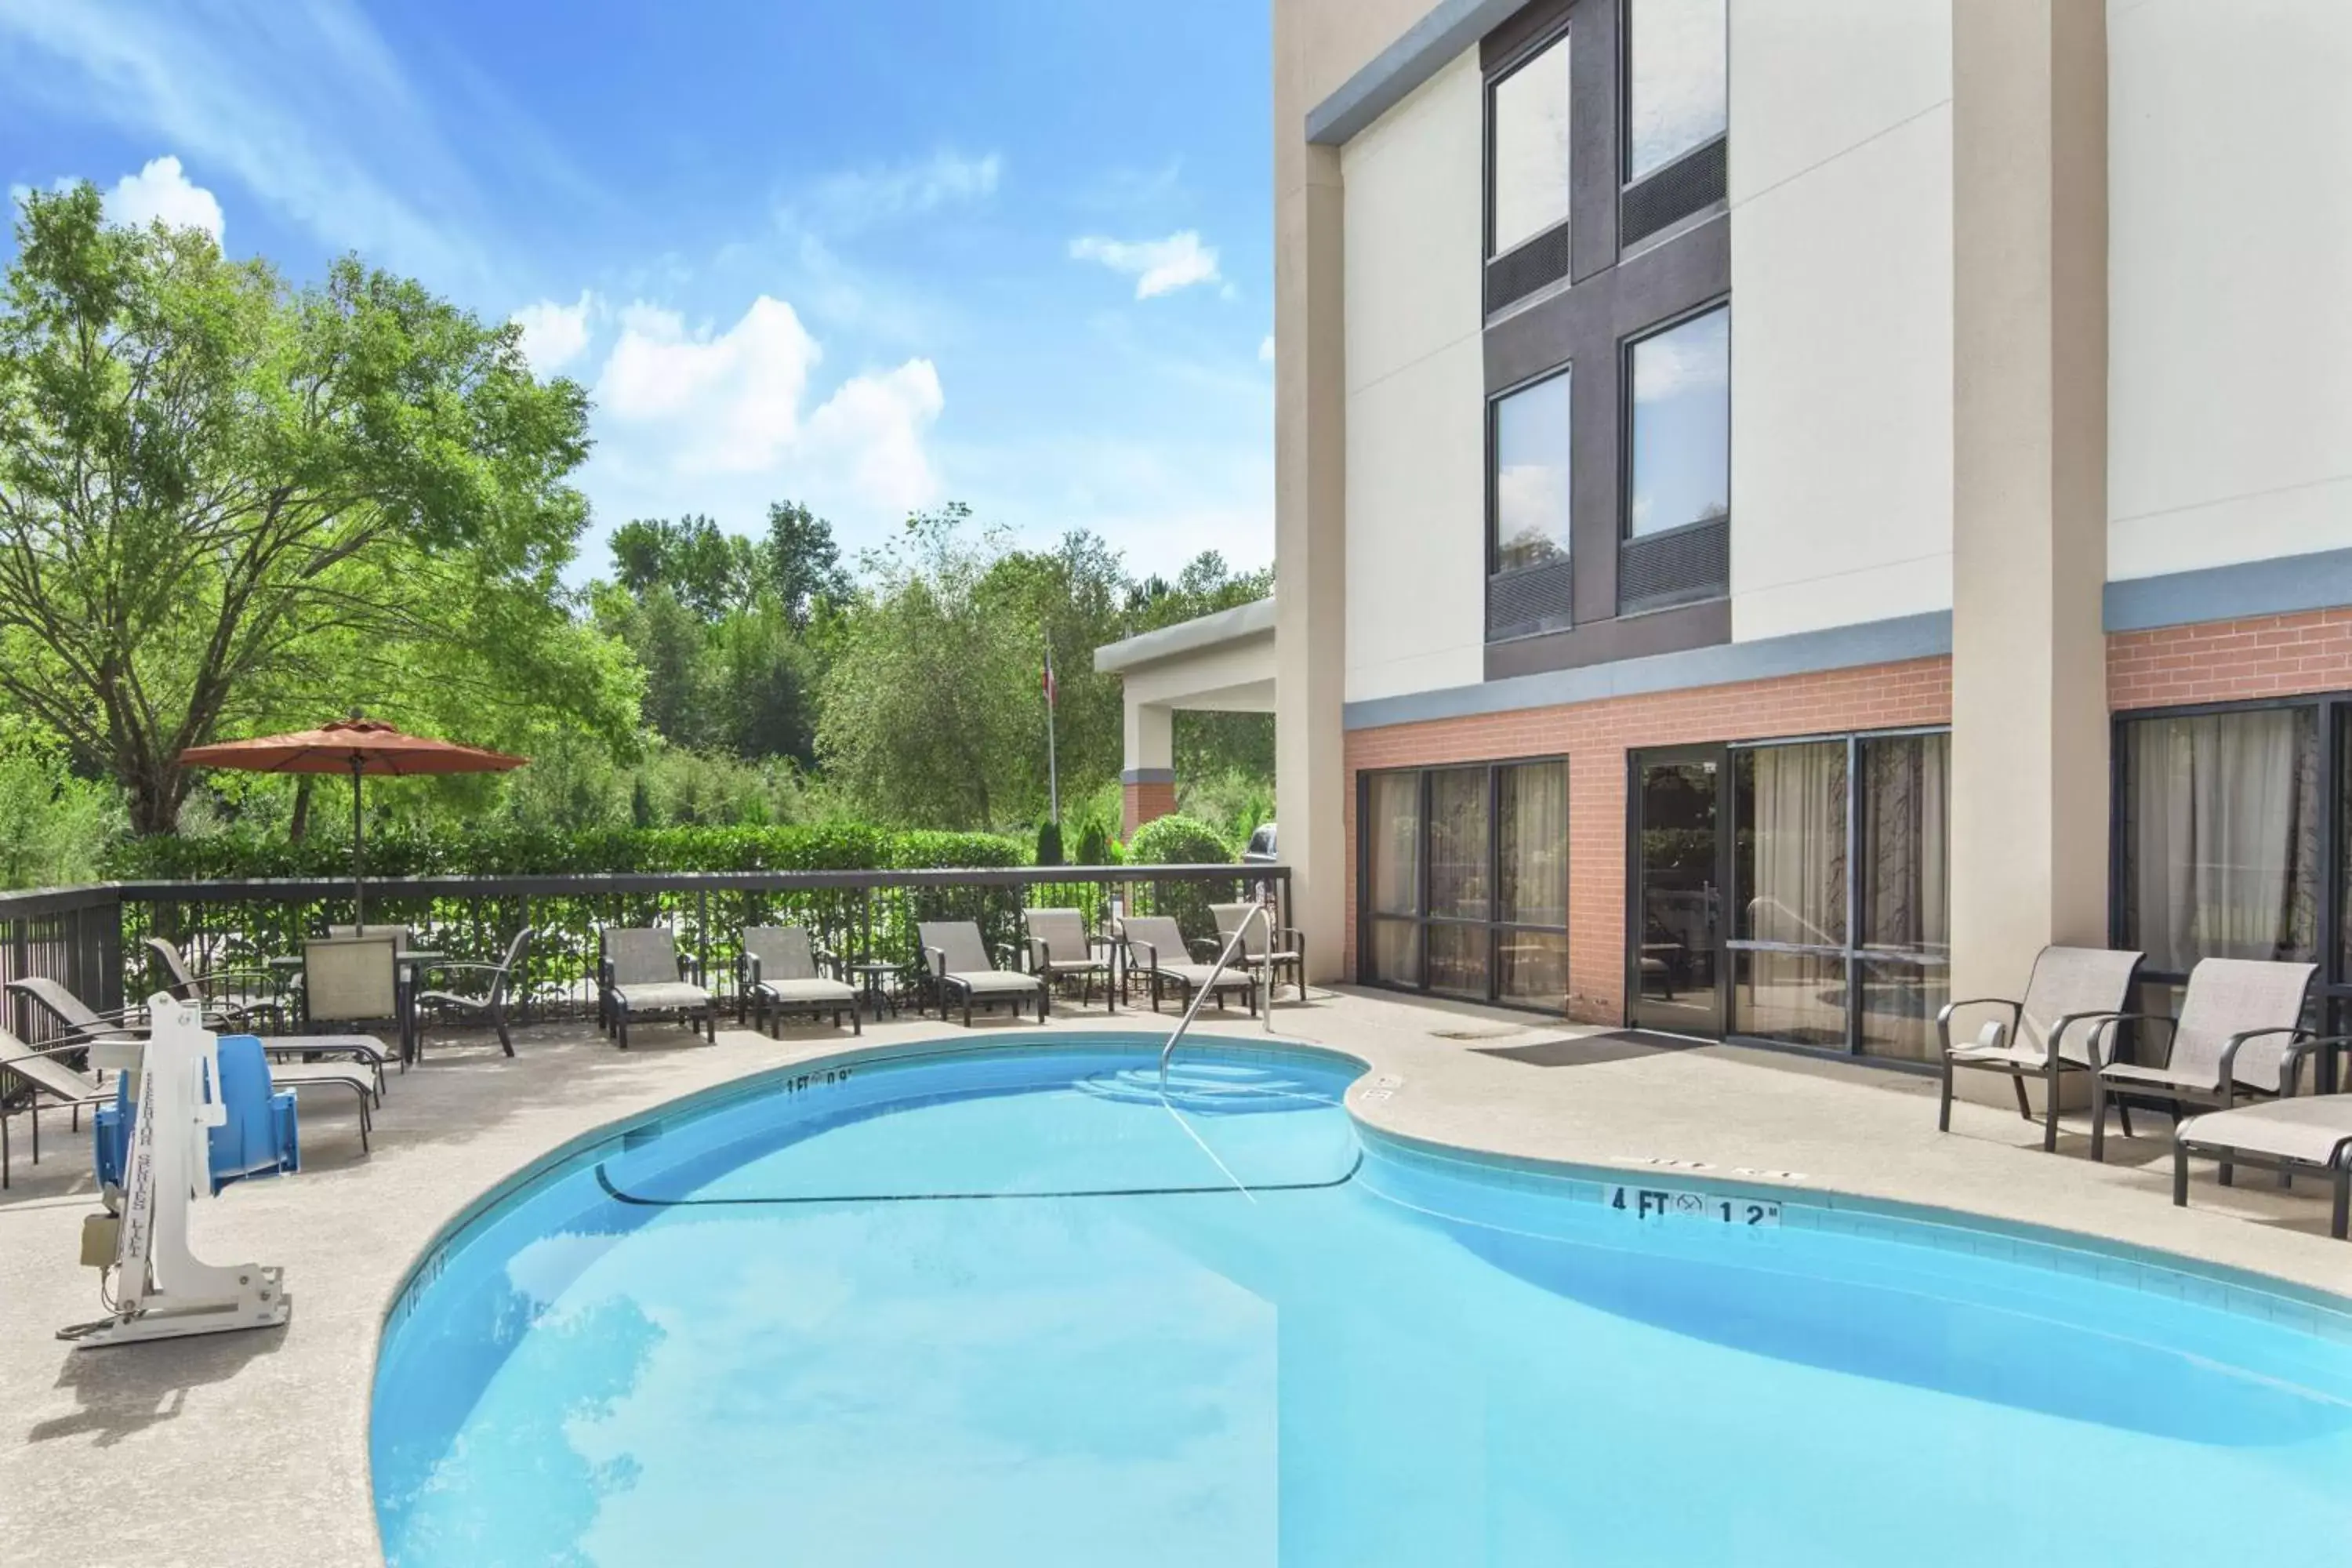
[[2219, 824], [1528, 117], [1680, 443], [1465, 881], [1530, 478], [1839, 936], [1676, 80]]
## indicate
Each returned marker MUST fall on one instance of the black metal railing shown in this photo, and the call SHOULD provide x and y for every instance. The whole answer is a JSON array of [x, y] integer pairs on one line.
[[92, 938]]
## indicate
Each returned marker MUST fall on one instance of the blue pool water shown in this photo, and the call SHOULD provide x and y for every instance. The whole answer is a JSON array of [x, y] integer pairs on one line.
[[1010, 1307]]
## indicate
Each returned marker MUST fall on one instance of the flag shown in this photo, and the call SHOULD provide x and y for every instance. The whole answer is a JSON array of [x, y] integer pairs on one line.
[[1049, 675]]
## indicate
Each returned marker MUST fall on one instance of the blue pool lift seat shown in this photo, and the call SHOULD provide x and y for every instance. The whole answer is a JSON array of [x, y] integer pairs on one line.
[[258, 1137]]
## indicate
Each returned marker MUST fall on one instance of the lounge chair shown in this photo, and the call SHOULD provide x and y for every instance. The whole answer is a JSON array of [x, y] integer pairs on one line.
[[1288, 950], [234, 997], [2052, 1029], [2309, 1132], [489, 1002], [46, 1074], [80, 1024], [644, 973], [1060, 950], [1151, 939], [780, 975], [2239, 1034], [958, 963]]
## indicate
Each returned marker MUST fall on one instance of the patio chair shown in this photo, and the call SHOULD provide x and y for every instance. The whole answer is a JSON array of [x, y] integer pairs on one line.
[[2052, 1029], [45, 1074], [779, 974], [2239, 1034], [2309, 1132], [958, 963], [1151, 939], [1060, 950], [1288, 950], [642, 973], [489, 1002], [239, 1006], [83, 1025]]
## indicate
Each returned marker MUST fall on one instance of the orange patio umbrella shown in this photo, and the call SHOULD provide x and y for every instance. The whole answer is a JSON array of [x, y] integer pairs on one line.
[[354, 745]]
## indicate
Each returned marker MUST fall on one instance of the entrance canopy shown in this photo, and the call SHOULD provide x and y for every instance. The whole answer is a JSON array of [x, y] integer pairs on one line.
[[1222, 663]]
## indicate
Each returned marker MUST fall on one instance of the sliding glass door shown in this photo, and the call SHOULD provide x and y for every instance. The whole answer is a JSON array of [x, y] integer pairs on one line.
[[1676, 922], [1465, 878], [1837, 876]]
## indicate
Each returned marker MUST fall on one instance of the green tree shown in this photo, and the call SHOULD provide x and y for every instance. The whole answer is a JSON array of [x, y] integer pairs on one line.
[[930, 712], [212, 486], [709, 570], [803, 564]]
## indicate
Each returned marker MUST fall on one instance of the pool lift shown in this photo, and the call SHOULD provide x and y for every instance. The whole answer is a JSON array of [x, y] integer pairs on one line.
[[162, 1290], [1260, 909]]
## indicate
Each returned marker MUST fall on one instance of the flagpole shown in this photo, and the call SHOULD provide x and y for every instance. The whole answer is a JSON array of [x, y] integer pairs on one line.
[[1053, 768]]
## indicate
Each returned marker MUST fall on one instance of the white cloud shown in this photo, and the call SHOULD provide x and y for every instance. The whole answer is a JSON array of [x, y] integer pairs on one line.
[[1266, 348], [554, 336], [1693, 357], [860, 197], [1157, 266], [701, 405], [162, 193]]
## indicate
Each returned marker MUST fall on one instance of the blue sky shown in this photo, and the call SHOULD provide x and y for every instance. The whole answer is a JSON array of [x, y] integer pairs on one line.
[[872, 255]]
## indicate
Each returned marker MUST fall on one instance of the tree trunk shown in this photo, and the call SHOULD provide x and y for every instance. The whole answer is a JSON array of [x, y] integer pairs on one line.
[[156, 797], [301, 824]]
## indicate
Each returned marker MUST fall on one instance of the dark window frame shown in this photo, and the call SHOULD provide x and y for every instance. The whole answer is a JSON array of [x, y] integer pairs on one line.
[[2332, 716], [1494, 401], [1495, 929], [1626, 179], [1554, 33], [1625, 410]]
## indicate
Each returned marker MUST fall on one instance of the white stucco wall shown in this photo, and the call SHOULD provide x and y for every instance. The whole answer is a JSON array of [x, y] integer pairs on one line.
[[2229, 357], [1416, 486], [1840, 313]]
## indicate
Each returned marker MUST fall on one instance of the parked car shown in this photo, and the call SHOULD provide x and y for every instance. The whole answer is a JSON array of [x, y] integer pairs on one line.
[[1261, 846]]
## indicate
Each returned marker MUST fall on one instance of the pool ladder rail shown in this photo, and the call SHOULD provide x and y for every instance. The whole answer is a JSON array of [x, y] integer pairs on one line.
[[1263, 979]]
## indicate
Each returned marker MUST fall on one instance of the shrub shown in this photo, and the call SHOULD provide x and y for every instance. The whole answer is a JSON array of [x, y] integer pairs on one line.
[[1093, 845], [1178, 840], [1049, 845]]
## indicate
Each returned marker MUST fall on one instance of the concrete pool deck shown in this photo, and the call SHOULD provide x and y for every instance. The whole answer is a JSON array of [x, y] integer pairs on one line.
[[246, 1448]]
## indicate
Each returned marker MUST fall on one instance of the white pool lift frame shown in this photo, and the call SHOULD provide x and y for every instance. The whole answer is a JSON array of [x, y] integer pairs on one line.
[[162, 1290]]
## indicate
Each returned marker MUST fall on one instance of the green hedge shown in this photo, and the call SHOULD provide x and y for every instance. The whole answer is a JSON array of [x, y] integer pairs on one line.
[[411, 853], [1178, 840]]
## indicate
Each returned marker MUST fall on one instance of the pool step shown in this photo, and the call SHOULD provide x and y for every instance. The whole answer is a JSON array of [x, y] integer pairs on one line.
[[1202, 1085]]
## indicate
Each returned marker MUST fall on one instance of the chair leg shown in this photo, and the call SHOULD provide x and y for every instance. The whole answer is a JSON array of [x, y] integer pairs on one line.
[[1944, 1110], [2049, 1122], [621, 1023], [855, 1027], [2339, 1225], [2123, 1111], [2024, 1106], [2098, 1120], [2179, 1177]]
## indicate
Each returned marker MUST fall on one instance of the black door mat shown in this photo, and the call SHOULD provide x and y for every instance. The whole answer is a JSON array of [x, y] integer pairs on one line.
[[1617, 1046]]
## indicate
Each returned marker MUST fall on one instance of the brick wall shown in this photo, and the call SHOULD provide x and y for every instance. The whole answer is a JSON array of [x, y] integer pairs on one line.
[[2231, 661], [1143, 801], [1597, 735]]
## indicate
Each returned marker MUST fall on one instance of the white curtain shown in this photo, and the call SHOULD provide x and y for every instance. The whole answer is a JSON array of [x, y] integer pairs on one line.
[[1534, 848], [1906, 863], [2222, 849], [1395, 833], [1796, 887]]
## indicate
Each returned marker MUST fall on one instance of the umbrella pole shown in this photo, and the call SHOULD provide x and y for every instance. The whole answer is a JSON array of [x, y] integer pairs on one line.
[[359, 888]]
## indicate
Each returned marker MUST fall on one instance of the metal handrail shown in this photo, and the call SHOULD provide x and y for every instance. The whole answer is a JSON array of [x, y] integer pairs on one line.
[[1201, 994]]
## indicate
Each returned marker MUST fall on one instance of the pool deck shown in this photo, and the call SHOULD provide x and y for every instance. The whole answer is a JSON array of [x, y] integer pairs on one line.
[[246, 1448]]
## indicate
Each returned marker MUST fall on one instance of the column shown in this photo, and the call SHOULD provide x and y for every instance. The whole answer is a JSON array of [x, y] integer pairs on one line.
[[1310, 527], [2029, 729], [1149, 782]]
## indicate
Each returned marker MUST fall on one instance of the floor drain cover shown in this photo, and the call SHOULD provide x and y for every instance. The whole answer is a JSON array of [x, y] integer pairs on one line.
[[1503, 1032]]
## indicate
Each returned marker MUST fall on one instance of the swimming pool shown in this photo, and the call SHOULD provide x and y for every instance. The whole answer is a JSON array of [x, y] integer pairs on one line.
[[1005, 1305]]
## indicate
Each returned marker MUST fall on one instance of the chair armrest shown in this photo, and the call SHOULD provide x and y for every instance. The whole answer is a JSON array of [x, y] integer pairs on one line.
[[1214, 947], [1150, 954], [2290, 1064], [2105, 1020], [2229, 1053], [263, 975], [1039, 955], [828, 959], [935, 959], [1006, 958], [747, 966]]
